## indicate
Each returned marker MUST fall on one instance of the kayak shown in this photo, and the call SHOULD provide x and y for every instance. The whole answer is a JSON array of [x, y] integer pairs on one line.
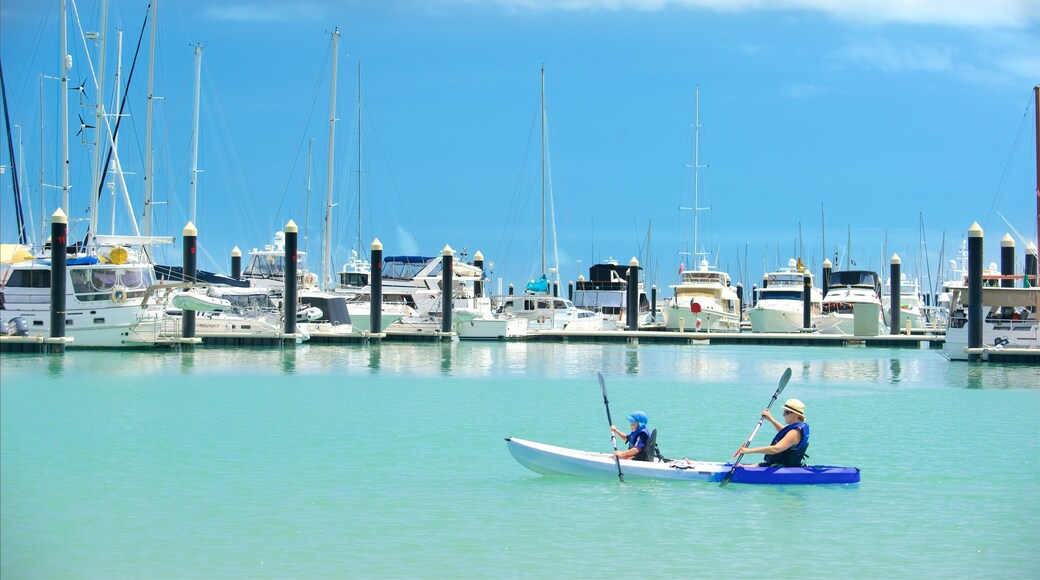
[[552, 460]]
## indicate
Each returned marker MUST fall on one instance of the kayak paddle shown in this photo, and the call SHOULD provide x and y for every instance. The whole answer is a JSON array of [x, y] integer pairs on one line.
[[783, 383], [617, 460]]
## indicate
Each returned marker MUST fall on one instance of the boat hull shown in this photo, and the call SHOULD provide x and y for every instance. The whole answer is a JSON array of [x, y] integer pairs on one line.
[[776, 319], [552, 460]]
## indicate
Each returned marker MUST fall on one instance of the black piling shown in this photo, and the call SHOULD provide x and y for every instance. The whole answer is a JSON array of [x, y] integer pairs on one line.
[[59, 266], [894, 288], [375, 306], [653, 303], [570, 290], [806, 301], [1007, 269], [975, 290], [478, 286], [826, 276], [189, 263], [447, 256], [632, 295], [1030, 280], [236, 263], [290, 298]]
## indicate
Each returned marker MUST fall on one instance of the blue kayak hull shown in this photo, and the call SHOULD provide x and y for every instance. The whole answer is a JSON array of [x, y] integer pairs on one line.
[[809, 475]]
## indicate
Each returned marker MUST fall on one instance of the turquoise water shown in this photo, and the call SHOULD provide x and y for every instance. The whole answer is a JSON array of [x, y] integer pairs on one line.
[[389, 462]]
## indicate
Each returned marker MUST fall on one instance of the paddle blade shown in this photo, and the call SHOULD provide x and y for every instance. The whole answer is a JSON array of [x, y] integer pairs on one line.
[[786, 378]]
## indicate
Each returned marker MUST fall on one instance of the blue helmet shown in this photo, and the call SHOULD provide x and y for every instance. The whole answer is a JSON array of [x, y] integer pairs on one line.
[[638, 417]]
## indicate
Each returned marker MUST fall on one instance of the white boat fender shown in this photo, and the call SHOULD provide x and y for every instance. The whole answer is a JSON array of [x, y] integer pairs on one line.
[[310, 313], [119, 294]]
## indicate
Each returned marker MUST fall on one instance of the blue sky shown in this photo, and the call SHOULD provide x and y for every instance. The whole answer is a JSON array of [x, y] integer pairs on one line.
[[864, 116]]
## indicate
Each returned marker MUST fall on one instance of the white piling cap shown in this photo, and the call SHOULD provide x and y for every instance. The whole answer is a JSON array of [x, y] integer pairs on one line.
[[376, 244], [447, 251], [59, 217], [1007, 241], [236, 253], [190, 230], [633, 262], [895, 260], [827, 263], [478, 256], [975, 231], [291, 228]]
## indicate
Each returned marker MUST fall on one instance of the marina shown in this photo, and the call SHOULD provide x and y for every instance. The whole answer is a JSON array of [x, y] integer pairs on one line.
[[250, 329]]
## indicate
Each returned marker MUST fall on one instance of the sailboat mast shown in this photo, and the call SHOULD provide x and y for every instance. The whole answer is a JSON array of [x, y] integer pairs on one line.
[[307, 204], [543, 166], [66, 62], [696, 168], [99, 108], [326, 261], [359, 116], [147, 216], [193, 187], [1036, 114]]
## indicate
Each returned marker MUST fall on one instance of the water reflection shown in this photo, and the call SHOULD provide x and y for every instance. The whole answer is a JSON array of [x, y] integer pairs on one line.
[[289, 359], [446, 350], [375, 355], [56, 365], [894, 367]]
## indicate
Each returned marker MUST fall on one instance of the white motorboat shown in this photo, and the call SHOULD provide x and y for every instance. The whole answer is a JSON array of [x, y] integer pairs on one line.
[[780, 303], [1009, 320], [247, 314], [544, 312], [105, 297], [850, 291], [703, 300]]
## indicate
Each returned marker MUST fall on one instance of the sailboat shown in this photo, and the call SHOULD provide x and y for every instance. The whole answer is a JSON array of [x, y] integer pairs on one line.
[[539, 306], [108, 277], [704, 299]]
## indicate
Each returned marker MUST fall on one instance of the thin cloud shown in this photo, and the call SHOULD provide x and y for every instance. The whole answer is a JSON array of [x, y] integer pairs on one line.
[[893, 57], [959, 13], [806, 90], [252, 12]]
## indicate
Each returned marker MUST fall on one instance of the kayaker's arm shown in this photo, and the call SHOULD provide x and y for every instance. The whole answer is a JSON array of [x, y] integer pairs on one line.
[[789, 440], [628, 453], [767, 415]]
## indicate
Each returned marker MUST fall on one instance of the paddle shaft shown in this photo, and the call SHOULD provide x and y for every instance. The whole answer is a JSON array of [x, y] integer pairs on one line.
[[613, 439], [738, 455]]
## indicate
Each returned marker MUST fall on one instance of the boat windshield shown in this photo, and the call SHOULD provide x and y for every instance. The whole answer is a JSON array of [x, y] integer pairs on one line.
[[854, 278], [767, 294], [98, 282], [404, 267]]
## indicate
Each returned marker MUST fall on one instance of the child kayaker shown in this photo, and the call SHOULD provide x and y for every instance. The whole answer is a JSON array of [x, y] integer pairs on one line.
[[637, 439]]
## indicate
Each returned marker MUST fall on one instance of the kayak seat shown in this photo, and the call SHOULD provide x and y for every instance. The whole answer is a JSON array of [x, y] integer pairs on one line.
[[650, 451]]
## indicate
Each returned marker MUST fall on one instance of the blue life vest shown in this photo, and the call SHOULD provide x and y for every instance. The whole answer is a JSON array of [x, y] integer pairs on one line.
[[794, 455], [638, 438]]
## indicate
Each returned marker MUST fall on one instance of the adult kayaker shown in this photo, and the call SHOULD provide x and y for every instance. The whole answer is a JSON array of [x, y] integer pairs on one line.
[[791, 441], [637, 439]]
